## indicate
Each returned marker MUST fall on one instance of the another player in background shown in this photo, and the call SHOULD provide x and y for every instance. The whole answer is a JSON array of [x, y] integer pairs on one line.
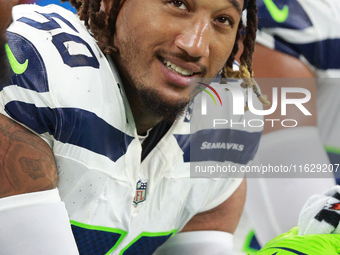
[[296, 39], [118, 124]]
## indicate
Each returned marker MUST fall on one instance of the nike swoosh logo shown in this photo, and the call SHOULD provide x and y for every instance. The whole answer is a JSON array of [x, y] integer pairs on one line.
[[16, 66], [279, 15], [288, 249]]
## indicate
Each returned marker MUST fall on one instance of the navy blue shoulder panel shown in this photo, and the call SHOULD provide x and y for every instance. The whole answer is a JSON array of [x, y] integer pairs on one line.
[[34, 77], [297, 17]]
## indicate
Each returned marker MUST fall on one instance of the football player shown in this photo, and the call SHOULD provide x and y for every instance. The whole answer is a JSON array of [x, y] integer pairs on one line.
[[297, 40], [111, 106]]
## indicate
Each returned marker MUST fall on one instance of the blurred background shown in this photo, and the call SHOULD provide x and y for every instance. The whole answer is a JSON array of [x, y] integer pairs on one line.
[[46, 2]]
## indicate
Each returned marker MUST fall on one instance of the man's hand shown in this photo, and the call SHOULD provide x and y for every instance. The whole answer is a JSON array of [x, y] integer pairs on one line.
[[290, 243]]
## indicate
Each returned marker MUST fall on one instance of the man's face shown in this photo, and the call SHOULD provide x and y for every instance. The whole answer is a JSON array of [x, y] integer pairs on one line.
[[164, 44]]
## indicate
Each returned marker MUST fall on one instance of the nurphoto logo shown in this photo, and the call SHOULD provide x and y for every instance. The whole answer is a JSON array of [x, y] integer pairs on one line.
[[212, 89], [239, 101]]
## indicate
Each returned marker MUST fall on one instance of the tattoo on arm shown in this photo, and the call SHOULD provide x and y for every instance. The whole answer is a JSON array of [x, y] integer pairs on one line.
[[26, 161]]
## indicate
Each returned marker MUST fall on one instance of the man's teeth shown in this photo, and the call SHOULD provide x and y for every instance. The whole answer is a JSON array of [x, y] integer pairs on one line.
[[177, 69]]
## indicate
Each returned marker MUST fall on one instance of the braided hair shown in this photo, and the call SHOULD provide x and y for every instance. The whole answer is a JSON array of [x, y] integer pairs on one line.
[[103, 28], [246, 71]]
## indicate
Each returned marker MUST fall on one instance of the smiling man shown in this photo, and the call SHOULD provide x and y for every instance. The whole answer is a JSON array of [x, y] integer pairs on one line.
[[189, 40], [111, 108]]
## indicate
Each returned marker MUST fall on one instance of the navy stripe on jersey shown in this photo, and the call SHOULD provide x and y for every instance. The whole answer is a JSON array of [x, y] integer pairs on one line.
[[50, 24], [146, 245], [35, 77], [297, 17], [321, 54], [219, 145], [74, 126], [92, 241]]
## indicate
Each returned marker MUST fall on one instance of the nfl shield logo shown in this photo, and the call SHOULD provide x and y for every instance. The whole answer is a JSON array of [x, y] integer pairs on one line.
[[140, 192]]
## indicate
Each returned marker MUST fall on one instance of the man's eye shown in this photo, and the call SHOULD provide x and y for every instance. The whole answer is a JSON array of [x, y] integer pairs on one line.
[[224, 21], [178, 4]]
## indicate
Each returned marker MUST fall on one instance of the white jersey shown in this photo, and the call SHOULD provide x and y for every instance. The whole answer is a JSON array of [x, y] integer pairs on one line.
[[70, 94], [308, 30]]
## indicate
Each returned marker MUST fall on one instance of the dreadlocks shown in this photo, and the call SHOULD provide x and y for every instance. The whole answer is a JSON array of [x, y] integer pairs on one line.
[[245, 72], [103, 28]]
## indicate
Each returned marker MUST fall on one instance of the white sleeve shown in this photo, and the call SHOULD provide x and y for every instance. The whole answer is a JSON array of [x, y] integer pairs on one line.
[[35, 223], [275, 203]]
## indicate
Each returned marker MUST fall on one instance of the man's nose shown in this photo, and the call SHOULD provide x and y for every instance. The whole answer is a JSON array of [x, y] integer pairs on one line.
[[195, 39]]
